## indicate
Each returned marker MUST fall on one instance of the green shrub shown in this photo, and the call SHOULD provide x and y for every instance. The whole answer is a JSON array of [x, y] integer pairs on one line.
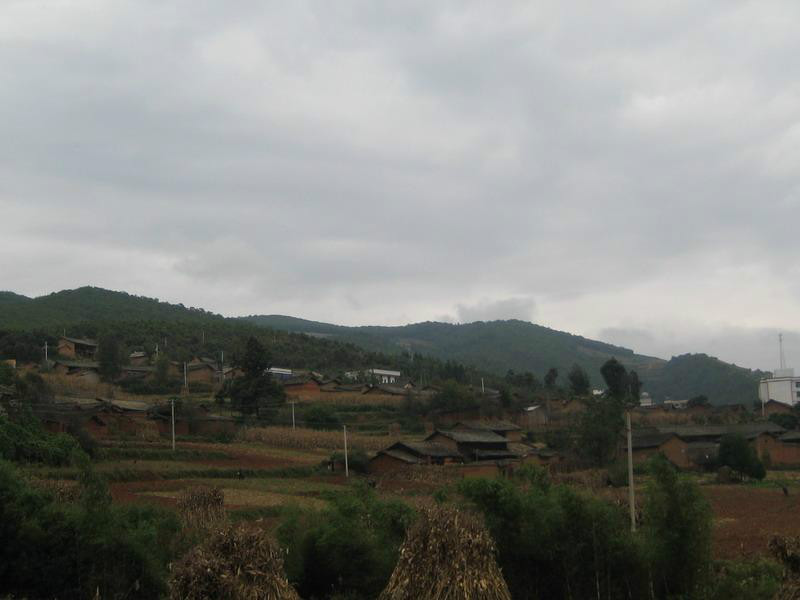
[[357, 459], [677, 527], [554, 542], [753, 579], [27, 441], [348, 549], [618, 473], [322, 417], [736, 453], [72, 551]]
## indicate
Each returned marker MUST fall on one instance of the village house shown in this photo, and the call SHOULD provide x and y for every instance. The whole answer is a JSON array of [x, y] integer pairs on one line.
[[779, 450], [473, 445], [510, 431], [87, 371], [77, 348], [137, 358], [536, 416], [305, 386], [405, 454], [773, 407], [137, 371], [648, 443]]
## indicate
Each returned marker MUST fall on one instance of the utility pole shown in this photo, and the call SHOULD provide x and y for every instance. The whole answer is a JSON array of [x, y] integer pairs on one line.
[[185, 381], [631, 492], [483, 389], [156, 351], [172, 401], [45, 351], [346, 467], [293, 403]]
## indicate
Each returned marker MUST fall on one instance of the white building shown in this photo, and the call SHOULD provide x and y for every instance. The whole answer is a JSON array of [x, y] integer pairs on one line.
[[384, 376], [783, 387], [645, 400], [381, 376]]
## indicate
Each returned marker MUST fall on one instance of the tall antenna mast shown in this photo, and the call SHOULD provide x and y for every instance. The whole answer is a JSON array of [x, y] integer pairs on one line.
[[780, 348]]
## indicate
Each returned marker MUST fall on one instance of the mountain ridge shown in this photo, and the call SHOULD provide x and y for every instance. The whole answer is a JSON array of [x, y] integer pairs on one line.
[[490, 346]]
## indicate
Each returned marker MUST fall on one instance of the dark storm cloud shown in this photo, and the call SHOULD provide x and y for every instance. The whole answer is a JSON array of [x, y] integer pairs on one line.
[[626, 166]]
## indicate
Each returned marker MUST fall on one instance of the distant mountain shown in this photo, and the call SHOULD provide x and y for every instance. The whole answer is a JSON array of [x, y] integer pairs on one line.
[[180, 332], [11, 297], [497, 346], [68, 307]]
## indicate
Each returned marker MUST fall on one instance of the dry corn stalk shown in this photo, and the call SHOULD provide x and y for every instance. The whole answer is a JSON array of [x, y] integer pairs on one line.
[[447, 555], [235, 563], [787, 551], [201, 507]]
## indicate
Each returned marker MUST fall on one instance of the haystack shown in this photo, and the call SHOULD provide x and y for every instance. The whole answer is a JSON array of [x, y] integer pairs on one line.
[[201, 507], [447, 555], [787, 551], [236, 563]]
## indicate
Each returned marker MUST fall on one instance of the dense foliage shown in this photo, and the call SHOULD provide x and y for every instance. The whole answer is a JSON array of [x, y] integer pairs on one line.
[[348, 549], [735, 452], [74, 550], [556, 542], [677, 527], [25, 440]]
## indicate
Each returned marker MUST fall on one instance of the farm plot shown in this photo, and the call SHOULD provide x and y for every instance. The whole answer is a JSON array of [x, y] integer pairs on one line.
[[247, 493], [745, 518]]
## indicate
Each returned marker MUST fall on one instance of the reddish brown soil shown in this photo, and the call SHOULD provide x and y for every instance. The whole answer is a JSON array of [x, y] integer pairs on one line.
[[745, 518], [128, 492]]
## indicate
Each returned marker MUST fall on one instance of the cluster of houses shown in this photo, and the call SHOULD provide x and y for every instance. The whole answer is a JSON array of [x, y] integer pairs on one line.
[[481, 445], [696, 447]]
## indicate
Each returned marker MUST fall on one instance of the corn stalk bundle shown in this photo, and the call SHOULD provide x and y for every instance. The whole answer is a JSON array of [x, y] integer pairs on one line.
[[201, 507], [235, 563], [787, 551], [447, 555]]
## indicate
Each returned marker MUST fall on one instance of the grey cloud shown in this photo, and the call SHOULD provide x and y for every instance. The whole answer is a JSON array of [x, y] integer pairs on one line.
[[749, 347], [488, 310], [415, 157]]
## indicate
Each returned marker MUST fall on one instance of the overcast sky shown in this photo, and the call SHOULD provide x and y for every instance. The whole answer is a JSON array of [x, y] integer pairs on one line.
[[623, 170]]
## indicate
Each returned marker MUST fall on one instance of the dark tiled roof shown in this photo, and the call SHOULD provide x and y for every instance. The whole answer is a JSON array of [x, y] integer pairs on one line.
[[82, 342], [86, 364], [400, 455], [791, 437], [711, 431], [139, 368], [490, 425], [200, 365], [480, 437], [641, 441], [431, 449]]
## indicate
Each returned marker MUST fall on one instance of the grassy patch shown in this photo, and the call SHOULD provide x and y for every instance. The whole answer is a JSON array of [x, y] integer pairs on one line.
[[160, 454]]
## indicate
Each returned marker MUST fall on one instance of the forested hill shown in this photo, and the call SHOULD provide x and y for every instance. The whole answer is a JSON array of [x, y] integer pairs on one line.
[[497, 346], [68, 307], [490, 347], [182, 333]]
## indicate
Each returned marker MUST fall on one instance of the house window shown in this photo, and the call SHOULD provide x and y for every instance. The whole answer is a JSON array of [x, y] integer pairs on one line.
[[797, 384]]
